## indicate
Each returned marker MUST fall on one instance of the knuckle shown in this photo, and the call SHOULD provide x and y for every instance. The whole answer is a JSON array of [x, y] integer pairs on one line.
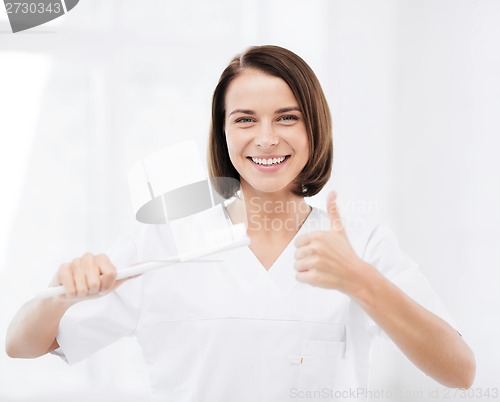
[[109, 274], [313, 236], [314, 247], [94, 286], [102, 258], [338, 224], [318, 235], [76, 263], [88, 259]]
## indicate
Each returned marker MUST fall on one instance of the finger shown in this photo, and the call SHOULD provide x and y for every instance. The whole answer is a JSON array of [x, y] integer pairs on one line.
[[309, 276], [302, 252], [301, 266], [108, 272], [334, 213], [310, 262], [307, 238], [92, 274], [302, 240], [77, 266], [65, 278]]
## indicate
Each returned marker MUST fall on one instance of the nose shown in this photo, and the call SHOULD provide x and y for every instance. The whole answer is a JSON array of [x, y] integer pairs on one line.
[[266, 137]]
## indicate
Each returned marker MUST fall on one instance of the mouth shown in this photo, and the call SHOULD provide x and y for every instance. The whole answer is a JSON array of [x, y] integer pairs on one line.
[[269, 161]]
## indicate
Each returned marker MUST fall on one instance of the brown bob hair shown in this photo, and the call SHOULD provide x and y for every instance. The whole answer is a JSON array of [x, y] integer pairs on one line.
[[284, 64]]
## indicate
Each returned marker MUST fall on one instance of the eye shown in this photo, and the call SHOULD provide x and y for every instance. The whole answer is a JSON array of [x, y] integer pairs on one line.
[[244, 120], [289, 118]]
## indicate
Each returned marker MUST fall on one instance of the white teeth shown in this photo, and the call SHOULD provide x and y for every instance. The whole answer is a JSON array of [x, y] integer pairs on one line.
[[271, 161]]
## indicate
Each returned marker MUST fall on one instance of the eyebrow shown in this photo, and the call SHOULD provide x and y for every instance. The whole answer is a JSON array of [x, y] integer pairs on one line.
[[251, 112]]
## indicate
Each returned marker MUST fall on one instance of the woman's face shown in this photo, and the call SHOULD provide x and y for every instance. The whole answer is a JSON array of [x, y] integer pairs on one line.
[[265, 132]]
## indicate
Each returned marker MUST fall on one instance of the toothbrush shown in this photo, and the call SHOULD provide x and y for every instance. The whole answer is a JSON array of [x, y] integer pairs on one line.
[[221, 240]]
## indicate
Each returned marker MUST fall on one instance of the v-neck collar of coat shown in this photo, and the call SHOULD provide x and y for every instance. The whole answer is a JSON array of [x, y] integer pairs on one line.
[[281, 274]]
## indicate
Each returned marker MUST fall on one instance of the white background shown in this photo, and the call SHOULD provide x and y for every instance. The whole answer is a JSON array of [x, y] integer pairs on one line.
[[414, 90]]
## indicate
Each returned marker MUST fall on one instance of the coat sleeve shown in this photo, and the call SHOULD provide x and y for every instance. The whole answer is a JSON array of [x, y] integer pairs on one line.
[[383, 252]]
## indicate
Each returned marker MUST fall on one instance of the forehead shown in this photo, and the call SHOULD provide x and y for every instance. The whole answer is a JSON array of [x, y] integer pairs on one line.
[[256, 90]]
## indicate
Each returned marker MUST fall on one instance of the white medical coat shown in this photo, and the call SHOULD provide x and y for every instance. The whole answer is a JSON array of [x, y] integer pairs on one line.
[[234, 331]]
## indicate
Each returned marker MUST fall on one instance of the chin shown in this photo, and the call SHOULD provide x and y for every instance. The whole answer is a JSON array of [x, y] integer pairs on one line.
[[268, 189]]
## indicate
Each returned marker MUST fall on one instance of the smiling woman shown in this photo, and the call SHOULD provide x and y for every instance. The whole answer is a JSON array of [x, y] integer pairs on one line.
[[293, 314]]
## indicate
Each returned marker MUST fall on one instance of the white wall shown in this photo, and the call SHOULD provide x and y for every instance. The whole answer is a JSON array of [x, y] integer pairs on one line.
[[415, 93]]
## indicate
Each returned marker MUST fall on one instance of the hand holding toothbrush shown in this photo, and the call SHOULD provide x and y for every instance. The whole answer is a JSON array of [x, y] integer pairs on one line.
[[88, 276], [94, 275]]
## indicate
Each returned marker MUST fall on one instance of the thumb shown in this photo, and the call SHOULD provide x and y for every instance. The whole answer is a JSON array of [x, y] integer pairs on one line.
[[334, 213]]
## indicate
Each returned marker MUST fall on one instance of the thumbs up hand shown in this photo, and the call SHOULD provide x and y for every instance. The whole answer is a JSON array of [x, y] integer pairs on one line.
[[326, 258]]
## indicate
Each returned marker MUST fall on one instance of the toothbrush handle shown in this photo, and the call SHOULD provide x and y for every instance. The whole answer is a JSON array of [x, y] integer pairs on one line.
[[140, 268], [244, 241]]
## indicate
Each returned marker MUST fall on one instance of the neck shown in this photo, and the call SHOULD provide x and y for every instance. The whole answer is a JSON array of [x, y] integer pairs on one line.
[[272, 213]]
